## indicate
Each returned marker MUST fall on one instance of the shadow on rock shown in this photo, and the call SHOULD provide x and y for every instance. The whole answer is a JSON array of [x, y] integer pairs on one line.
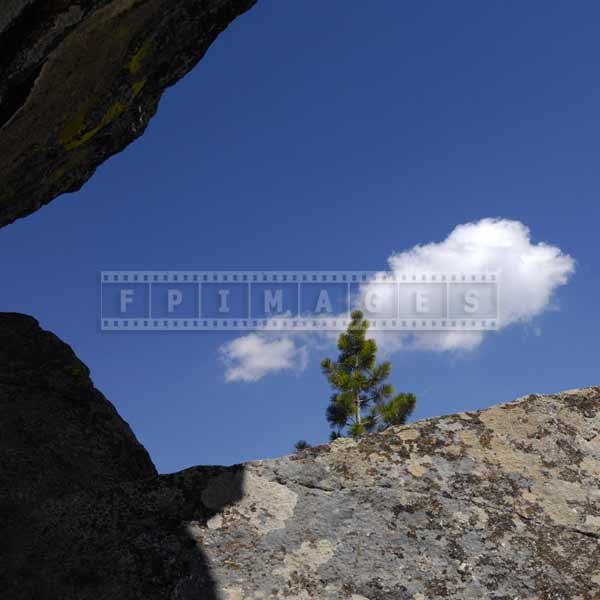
[[83, 514], [131, 541]]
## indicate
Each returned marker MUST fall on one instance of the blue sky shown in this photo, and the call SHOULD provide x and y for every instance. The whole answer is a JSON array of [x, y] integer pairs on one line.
[[327, 136]]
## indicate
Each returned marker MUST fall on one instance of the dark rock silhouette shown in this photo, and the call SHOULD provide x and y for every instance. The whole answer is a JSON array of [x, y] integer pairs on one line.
[[128, 542], [497, 504], [84, 513], [80, 79], [59, 434]]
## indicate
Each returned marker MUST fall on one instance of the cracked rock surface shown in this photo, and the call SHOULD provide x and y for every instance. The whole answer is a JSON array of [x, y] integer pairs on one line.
[[80, 80], [503, 503], [498, 504]]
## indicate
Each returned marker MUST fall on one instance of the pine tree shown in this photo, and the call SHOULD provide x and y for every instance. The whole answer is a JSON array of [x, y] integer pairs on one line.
[[362, 401]]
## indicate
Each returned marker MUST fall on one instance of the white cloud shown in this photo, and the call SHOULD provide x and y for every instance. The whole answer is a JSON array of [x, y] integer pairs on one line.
[[528, 274], [251, 357]]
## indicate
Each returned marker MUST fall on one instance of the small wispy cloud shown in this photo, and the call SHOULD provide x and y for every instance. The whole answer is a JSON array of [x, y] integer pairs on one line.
[[251, 357], [528, 274]]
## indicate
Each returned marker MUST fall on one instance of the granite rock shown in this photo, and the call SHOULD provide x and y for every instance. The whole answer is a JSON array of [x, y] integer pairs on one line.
[[501, 504]]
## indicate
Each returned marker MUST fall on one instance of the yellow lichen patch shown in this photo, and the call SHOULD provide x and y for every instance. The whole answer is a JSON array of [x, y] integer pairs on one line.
[[503, 453], [135, 64], [264, 505], [409, 434], [73, 128], [138, 86], [416, 470], [469, 438], [215, 522], [454, 450], [481, 518], [374, 457], [237, 593], [456, 426], [419, 466], [591, 521], [342, 444], [558, 501], [591, 466], [70, 142], [461, 517], [306, 559], [594, 443]]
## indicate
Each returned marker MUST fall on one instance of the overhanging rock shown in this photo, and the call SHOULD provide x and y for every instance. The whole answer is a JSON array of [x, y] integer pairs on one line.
[[80, 80]]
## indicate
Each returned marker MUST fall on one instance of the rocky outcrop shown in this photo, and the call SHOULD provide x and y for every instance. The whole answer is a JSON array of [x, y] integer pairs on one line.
[[80, 79], [502, 503], [60, 435], [498, 504]]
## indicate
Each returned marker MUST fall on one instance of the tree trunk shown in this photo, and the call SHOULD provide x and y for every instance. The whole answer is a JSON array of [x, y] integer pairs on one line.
[[357, 398]]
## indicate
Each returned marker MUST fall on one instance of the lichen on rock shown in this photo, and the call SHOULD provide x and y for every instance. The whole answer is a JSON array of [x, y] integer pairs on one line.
[[80, 80], [468, 506]]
